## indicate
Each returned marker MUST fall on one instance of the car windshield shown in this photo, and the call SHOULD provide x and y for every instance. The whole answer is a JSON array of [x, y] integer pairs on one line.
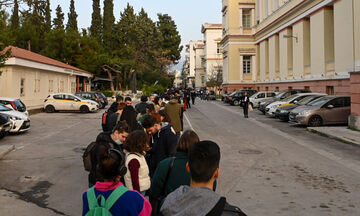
[[232, 94], [280, 95], [288, 99], [19, 104], [319, 102], [102, 95], [4, 108], [254, 95], [307, 100]]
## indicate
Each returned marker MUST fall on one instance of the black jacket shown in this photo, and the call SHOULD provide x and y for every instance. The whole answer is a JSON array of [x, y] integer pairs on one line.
[[128, 115], [140, 108], [163, 145], [113, 108], [103, 143]]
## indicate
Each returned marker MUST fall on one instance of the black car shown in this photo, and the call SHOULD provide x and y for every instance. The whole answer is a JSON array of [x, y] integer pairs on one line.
[[92, 96], [5, 125], [238, 96], [282, 113], [282, 95], [102, 96]]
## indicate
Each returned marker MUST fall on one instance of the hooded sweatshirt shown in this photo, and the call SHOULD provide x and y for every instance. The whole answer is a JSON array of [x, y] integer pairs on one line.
[[197, 201], [190, 201]]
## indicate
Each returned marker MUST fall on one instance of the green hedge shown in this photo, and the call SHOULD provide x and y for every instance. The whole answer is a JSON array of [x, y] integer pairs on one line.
[[108, 93]]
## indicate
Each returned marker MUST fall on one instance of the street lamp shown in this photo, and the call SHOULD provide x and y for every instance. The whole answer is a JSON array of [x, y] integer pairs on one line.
[[291, 36]]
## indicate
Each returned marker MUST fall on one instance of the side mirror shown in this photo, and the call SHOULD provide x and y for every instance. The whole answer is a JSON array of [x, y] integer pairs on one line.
[[330, 106], [295, 102]]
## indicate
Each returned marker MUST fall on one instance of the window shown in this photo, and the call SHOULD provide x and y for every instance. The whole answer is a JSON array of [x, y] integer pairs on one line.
[[246, 64], [330, 90], [37, 85], [277, 88], [347, 102], [61, 89], [270, 94], [70, 97], [219, 48], [261, 95], [307, 87], [290, 87], [246, 18], [337, 102], [58, 96], [203, 79], [51, 85], [73, 87], [22, 87], [266, 88]]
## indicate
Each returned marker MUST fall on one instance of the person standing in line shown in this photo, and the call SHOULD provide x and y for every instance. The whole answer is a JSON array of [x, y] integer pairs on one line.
[[140, 107], [199, 198], [163, 141], [174, 111], [120, 201], [115, 117], [137, 178], [193, 96], [245, 103]]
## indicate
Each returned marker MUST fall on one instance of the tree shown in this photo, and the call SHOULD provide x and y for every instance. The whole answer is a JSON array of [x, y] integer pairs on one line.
[[47, 16], [108, 23], [59, 20], [96, 22], [72, 17], [215, 79], [5, 38], [170, 38], [14, 20]]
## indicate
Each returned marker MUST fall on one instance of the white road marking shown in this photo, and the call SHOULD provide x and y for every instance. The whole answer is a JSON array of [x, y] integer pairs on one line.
[[188, 122], [348, 164]]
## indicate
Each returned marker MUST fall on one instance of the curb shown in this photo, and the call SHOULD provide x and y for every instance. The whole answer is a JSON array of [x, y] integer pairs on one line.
[[35, 111], [346, 141], [5, 149]]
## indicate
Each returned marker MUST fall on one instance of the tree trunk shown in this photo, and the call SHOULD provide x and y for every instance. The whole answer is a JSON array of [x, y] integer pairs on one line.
[[110, 78]]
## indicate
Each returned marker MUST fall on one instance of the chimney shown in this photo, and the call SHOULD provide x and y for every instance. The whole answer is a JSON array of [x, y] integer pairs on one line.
[[29, 45]]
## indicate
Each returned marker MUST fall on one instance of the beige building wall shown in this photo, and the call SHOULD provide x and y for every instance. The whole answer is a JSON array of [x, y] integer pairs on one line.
[[38, 84], [285, 53], [200, 80]]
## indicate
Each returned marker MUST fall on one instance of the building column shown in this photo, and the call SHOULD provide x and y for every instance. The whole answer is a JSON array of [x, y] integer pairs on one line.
[[253, 68], [273, 56], [253, 21], [264, 59], [241, 69], [77, 83], [241, 24], [322, 42], [343, 36]]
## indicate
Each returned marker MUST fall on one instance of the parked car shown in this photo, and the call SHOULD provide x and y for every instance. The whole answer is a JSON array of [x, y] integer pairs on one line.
[[69, 102], [223, 96], [322, 111], [212, 95], [258, 96], [103, 97], [283, 111], [237, 97], [20, 121], [92, 96], [5, 125], [271, 108], [15, 104], [282, 95], [228, 96]]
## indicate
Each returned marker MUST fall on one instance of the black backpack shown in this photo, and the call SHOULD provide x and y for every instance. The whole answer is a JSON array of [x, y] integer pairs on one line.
[[87, 156], [104, 120]]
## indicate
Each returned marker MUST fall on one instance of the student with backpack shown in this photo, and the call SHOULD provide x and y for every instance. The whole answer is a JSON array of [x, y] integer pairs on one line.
[[137, 178], [104, 141], [113, 109], [109, 197]]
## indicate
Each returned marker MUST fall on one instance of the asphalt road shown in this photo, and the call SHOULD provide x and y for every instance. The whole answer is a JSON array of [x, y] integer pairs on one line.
[[267, 167]]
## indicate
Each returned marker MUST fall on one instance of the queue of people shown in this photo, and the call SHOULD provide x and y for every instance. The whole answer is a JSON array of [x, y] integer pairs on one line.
[[144, 162]]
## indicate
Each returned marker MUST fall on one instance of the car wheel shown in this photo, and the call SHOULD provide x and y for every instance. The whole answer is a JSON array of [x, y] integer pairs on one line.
[[236, 103], [315, 121], [49, 109], [84, 109]]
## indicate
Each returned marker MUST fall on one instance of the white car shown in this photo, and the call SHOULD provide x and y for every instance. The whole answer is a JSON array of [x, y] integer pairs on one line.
[[271, 108], [69, 102], [258, 96], [15, 104], [20, 121]]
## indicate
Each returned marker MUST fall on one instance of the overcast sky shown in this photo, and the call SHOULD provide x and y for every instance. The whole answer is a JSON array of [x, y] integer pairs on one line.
[[189, 15]]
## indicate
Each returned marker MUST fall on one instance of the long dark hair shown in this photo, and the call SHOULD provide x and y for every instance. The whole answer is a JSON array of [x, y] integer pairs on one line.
[[187, 139]]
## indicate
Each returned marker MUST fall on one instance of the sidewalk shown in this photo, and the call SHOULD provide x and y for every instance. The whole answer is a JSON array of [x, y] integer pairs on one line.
[[343, 134], [5, 149]]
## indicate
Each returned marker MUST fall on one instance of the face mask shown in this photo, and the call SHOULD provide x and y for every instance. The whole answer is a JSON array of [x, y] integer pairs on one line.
[[118, 142]]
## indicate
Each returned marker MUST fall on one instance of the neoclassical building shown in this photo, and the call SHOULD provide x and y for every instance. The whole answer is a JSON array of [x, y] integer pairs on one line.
[[281, 44]]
